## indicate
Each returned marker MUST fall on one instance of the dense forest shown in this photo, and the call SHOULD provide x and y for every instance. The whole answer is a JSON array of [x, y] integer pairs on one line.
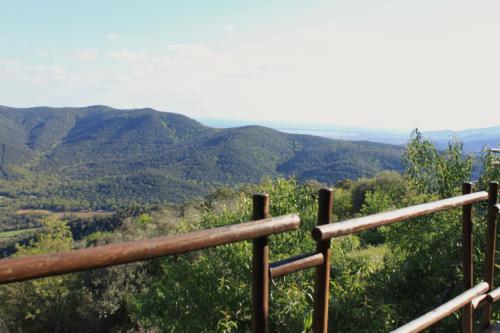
[[380, 278], [104, 158]]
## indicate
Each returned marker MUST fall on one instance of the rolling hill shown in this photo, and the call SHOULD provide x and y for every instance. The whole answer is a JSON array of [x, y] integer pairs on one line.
[[98, 152], [473, 139]]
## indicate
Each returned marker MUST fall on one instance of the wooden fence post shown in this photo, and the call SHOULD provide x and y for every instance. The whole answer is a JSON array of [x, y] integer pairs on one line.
[[467, 246], [322, 278], [260, 269], [489, 260]]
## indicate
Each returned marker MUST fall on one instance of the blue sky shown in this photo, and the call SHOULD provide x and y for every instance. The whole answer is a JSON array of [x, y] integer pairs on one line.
[[369, 63]]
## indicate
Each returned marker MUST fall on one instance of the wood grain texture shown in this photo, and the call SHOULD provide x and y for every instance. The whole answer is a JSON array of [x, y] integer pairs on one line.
[[294, 264], [493, 295], [489, 262], [479, 301], [260, 269], [338, 229], [443, 311], [467, 251], [25, 268], [322, 276]]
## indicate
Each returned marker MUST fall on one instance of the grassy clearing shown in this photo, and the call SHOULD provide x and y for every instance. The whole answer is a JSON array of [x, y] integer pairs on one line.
[[13, 233], [374, 254]]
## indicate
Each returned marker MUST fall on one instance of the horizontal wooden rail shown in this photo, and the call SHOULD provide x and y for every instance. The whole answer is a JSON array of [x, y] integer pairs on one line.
[[490, 297], [25, 268], [332, 230], [443, 311], [294, 264], [495, 150], [493, 295], [479, 301]]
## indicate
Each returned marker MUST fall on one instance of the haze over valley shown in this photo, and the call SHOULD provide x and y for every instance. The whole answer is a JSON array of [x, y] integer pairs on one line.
[[474, 139]]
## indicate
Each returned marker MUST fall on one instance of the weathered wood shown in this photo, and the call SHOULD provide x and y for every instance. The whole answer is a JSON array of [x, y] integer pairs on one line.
[[493, 295], [322, 277], [363, 223], [443, 311], [260, 269], [467, 248], [489, 264], [25, 268], [294, 264], [479, 301]]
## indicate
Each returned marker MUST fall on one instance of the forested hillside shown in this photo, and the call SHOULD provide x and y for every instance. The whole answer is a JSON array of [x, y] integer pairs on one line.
[[380, 278], [102, 155]]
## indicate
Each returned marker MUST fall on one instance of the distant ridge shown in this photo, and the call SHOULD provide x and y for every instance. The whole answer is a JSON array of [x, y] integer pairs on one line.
[[144, 153], [474, 139]]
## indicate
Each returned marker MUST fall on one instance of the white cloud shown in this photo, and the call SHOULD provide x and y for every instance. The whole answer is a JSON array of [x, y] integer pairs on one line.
[[86, 54], [113, 36], [41, 73], [379, 73], [383, 68], [141, 59], [8, 62], [431, 65], [228, 28], [18, 71]]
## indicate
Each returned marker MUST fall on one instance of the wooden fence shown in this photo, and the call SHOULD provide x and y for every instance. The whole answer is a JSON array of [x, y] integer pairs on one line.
[[263, 226], [474, 296]]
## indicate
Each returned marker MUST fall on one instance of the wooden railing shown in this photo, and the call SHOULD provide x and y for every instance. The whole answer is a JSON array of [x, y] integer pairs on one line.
[[474, 297], [26, 268], [31, 267]]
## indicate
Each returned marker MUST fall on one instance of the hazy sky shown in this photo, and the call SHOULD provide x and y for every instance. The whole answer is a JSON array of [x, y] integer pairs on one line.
[[373, 63]]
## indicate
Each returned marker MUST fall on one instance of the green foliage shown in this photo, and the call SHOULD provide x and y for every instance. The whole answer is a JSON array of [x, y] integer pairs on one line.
[[55, 237], [430, 171], [343, 204], [101, 158], [143, 220], [41, 305], [361, 188], [491, 171], [424, 267], [93, 301], [379, 280], [215, 284]]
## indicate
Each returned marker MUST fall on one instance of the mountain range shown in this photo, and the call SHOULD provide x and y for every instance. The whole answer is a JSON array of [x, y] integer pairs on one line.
[[474, 140], [144, 154]]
